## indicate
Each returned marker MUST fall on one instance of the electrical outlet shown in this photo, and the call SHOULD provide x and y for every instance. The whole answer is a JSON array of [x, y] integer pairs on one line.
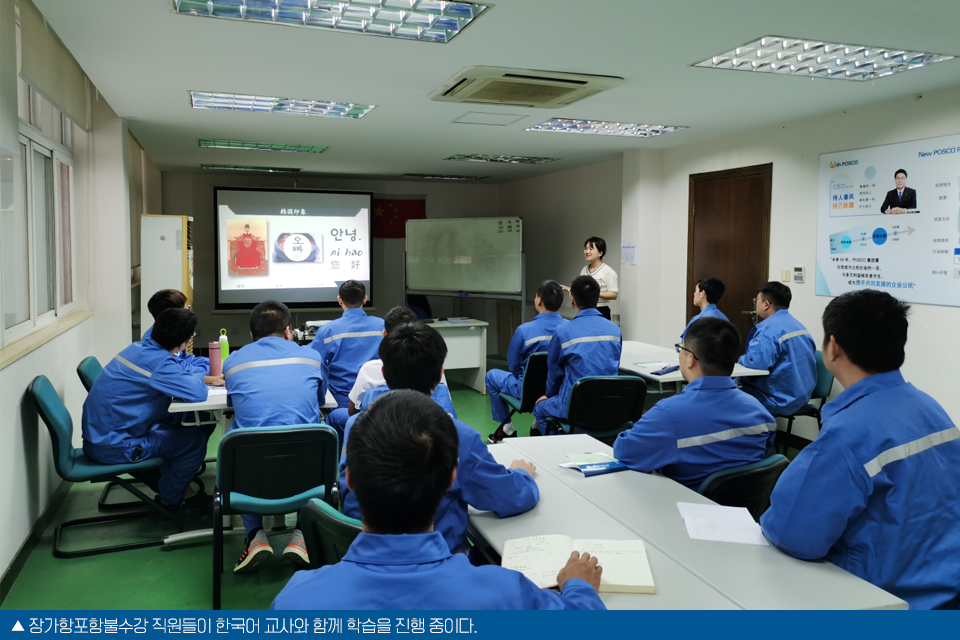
[[234, 331], [785, 275]]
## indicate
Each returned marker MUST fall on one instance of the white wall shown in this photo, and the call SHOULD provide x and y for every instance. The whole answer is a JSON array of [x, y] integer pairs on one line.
[[933, 351]]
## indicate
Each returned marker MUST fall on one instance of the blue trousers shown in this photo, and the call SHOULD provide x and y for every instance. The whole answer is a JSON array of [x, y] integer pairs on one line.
[[182, 450], [554, 407], [499, 381], [338, 420], [252, 522]]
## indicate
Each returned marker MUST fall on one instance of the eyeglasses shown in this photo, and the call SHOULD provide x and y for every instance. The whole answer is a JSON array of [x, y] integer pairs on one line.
[[680, 348], [758, 300]]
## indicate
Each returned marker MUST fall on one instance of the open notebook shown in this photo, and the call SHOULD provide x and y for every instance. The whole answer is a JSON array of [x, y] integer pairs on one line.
[[540, 558]]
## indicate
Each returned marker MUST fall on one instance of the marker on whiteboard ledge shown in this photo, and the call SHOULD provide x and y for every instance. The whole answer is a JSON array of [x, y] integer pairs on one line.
[[464, 294]]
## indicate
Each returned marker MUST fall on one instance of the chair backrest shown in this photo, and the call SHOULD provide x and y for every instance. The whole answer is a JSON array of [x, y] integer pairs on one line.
[[534, 383], [327, 532], [749, 485], [89, 370], [824, 380], [606, 403], [274, 463], [59, 423]]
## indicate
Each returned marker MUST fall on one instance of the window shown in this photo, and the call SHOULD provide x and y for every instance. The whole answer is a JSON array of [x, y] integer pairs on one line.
[[14, 225]]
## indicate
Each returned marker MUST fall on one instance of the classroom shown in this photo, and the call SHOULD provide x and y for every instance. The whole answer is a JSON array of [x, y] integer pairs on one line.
[[624, 271]]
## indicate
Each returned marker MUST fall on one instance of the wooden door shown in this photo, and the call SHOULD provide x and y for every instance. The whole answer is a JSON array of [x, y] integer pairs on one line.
[[729, 238]]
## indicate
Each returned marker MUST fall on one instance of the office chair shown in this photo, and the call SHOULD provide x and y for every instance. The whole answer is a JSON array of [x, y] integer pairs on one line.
[[602, 406], [327, 532], [749, 485], [820, 392], [532, 387]]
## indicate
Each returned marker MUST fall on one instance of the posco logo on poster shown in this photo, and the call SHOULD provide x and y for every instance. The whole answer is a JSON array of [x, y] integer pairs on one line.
[[937, 152], [845, 163]]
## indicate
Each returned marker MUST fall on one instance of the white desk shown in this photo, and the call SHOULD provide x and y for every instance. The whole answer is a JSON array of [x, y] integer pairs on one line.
[[753, 577], [466, 349], [217, 401], [562, 510], [641, 352]]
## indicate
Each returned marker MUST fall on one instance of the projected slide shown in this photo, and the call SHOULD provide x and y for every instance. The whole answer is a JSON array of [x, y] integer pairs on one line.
[[292, 246], [889, 218]]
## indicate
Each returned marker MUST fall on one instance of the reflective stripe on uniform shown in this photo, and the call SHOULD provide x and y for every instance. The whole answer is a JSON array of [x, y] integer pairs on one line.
[[903, 451], [729, 434], [269, 363], [794, 334], [537, 339], [590, 339], [356, 334], [127, 363]]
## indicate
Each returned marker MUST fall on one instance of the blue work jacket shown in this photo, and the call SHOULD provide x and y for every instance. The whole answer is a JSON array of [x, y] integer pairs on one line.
[[784, 347], [531, 337], [133, 393], [418, 572], [441, 395], [588, 345], [708, 427], [273, 383], [878, 492], [710, 311], [187, 361], [344, 346]]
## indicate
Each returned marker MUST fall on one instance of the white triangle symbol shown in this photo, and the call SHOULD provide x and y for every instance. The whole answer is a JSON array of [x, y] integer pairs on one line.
[[18, 626]]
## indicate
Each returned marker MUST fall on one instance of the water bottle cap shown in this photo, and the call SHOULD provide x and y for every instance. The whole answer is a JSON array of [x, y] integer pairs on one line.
[[223, 332]]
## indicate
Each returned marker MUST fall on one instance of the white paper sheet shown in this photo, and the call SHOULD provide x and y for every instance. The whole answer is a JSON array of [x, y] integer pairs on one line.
[[721, 524]]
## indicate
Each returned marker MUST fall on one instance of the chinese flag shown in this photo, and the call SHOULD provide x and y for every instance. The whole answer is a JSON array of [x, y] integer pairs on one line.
[[390, 216]]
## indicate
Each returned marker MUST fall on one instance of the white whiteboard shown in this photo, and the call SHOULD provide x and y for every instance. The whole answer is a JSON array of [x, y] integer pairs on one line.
[[482, 255], [914, 256]]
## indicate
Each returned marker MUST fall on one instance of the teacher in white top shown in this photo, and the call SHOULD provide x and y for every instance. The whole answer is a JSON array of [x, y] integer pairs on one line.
[[594, 249]]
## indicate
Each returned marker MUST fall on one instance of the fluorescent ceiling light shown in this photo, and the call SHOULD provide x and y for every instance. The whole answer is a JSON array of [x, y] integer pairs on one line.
[[427, 20], [234, 167], [601, 128], [267, 104], [479, 157], [438, 176], [259, 146], [793, 56]]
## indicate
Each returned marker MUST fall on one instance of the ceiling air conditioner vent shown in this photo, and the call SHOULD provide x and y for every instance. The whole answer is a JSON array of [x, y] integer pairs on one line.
[[521, 87]]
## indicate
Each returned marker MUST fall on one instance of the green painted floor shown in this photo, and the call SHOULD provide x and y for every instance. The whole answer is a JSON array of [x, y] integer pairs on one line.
[[173, 577]]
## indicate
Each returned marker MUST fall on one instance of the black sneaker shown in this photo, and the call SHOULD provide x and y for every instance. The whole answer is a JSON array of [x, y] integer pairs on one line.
[[499, 435]]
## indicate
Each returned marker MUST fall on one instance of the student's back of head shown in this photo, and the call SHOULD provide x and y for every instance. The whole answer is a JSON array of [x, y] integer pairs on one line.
[[551, 295], [716, 344], [586, 292], [713, 288], [777, 294], [401, 456], [397, 316], [269, 318], [871, 328], [352, 293], [166, 299], [413, 356], [174, 327]]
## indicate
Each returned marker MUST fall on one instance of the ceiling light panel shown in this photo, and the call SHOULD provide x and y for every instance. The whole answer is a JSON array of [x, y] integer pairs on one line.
[[601, 128], [234, 167], [479, 157], [426, 20], [267, 104], [438, 176], [260, 146], [813, 58]]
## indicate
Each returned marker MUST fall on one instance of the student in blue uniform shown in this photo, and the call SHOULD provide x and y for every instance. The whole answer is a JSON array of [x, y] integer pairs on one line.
[[126, 418], [173, 299], [706, 294], [403, 455], [782, 346], [878, 492], [272, 382], [708, 427], [413, 356], [344, 345], [589, 345], [529, 338]]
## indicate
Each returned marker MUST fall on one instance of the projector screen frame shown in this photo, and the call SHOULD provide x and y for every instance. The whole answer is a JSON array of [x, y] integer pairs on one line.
[[298, 306]]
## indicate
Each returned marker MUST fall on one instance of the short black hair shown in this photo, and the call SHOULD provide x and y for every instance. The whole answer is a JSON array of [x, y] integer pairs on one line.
[[899, 171], [713, 287], [586, 292], [352, 293], [871, 328], [413, 356], [401, 454], [269, 318], [550, 294], [716, 343], [777, 294], [173, 327], [166, 299], [599, 244], [397, 316], [246, 226]]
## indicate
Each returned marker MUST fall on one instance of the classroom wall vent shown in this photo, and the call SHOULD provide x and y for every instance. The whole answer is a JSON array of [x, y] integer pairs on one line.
[[521, 87]]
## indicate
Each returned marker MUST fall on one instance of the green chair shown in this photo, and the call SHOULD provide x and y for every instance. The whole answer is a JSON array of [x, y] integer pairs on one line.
[[73, 466], [602, 406], [327, 532], [89, 370], [748, 485], [532, 387], [820, 392], [271, 471]]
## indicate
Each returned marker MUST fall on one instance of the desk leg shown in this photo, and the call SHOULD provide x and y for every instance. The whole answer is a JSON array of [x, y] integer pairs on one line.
[[476, 378]]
